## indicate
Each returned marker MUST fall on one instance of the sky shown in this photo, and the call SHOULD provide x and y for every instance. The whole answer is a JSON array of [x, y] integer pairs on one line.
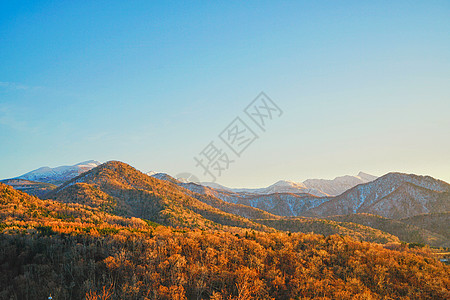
[[360, 86]]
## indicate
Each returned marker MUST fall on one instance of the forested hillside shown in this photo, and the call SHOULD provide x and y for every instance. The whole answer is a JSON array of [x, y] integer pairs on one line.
[[75, 251]]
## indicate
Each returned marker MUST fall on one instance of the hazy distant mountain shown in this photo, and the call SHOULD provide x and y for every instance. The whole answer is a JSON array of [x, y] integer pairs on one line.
[[60, 174], [282, 186], [340, 184], [316, 187], [394, 195]]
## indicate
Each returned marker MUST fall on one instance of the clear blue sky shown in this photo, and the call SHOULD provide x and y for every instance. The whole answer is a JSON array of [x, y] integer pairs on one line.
[[364, 85]]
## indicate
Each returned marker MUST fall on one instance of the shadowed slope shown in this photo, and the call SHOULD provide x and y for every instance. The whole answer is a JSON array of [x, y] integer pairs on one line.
[[435, 222], [407, 232]]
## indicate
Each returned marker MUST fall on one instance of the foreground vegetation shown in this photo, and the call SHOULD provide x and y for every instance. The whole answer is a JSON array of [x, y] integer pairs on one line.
[[79, 252], [175, 264]]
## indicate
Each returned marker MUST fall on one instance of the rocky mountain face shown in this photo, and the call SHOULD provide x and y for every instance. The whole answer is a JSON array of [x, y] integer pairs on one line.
[[60, 174], [394, 195]]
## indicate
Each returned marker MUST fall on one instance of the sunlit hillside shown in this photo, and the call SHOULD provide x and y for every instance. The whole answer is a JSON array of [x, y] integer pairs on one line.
[[74, 251]]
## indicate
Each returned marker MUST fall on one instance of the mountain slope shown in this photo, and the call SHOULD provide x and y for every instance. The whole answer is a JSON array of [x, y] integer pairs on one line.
[[226, 201], [20, 211], [74, 251], [329, 227], [129, 192], [316, 187], [394, 195], [405, 231], [409, 200], [60, 174], [435, 222]]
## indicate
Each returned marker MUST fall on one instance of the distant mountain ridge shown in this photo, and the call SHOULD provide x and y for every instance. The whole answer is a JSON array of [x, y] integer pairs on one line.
[[394, 195], [60, 174], [281, 186], [278, 203], [340, 184], [410, 207], [316, 187]]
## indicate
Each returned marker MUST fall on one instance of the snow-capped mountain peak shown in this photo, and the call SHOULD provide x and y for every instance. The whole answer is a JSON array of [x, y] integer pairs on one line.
[[288, 183], [151, 173], [366, 177], [60, 174], [88, 163]]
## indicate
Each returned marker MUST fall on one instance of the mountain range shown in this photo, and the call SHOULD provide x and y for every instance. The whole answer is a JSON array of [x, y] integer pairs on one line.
[[394, 195], [316, 187], [87, 244], [393, 206]]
